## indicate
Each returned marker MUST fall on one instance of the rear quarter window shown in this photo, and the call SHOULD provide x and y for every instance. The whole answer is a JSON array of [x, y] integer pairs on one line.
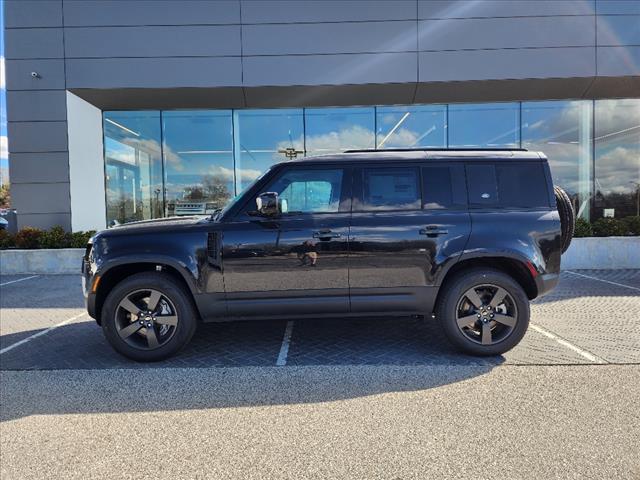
[[507, 185]]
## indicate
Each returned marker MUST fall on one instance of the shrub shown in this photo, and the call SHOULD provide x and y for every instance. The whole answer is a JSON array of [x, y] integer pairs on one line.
[[608, 227], [583, 228], [28, 237], [6, 239], [80, 239], [632, 225], [57, 237]]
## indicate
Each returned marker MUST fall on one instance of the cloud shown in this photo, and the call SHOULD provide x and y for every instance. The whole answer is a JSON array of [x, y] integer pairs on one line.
[[355, 136], [4, 147], [226, 174]]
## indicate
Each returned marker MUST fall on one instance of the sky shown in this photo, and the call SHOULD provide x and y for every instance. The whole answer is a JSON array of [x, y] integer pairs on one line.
[[4, 154]]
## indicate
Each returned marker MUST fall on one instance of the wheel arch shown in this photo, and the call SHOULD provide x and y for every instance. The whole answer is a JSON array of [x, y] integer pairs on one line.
[[115, 274], [516, 268]]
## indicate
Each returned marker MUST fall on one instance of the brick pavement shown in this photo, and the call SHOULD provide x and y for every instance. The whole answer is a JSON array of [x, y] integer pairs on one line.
[[595, 316]]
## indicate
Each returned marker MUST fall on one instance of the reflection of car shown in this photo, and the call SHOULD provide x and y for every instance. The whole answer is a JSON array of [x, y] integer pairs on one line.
[[468, 236], [183, 208]]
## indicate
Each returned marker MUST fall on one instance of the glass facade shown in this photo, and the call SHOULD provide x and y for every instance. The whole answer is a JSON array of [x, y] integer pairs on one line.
[[181, 162]]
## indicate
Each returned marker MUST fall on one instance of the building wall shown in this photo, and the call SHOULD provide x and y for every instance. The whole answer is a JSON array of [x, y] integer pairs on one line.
[[254, 53]]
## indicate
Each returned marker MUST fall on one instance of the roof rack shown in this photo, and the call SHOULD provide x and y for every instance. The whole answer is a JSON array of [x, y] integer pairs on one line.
[[372, 150]]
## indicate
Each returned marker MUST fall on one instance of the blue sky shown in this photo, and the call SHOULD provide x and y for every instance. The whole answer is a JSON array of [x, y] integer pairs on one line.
[[4, 162]]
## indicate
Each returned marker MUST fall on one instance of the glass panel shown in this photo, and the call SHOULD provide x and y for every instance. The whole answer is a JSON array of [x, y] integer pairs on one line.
[[482, 184], [617, 148], [334, 130], [522, 185], [484, 125], [265, 137], [562, 131], [198, 159], [133, 166], [411, 126], [438, 188], [391, 189], [309, 191]]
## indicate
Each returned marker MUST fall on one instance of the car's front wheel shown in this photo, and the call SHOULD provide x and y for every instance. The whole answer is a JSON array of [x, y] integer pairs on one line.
[[483, 312], [148, 317]]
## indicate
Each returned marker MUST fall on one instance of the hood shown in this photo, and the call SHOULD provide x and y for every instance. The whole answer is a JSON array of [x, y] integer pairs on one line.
[[159, 224]]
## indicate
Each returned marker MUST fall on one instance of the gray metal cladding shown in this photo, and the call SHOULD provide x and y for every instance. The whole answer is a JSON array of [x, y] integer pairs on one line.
[[37, 105], [39, 167]]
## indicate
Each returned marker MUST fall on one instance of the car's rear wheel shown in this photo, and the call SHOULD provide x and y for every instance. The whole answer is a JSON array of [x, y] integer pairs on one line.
[[483, 312], [148, 317]]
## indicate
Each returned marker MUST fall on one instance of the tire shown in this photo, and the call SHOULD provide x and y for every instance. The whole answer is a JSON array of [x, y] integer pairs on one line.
[[454, 307], [175, 315], [567, 216]]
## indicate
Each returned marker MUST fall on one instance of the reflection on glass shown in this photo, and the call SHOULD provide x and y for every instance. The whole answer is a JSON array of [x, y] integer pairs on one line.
[[334, 130], [198, 160], [133, 166], [484, 125], [617, 149], [562, 131], [411, 126], [265, 137], [309, 191]]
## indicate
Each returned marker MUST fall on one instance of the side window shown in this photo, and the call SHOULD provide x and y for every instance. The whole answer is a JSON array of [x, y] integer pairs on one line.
[[443, 187], [522, 185], [391, 189], [309, 190], [482, 185]]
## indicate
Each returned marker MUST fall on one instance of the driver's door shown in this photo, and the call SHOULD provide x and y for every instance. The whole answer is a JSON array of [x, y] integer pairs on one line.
[[295, 262]]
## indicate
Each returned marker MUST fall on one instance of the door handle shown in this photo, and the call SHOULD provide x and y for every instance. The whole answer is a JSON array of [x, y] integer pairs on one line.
[[433, 231], [325, 235]]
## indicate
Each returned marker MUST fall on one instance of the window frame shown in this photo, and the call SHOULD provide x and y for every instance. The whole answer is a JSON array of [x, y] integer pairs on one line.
[[359, 181], [344, 205]]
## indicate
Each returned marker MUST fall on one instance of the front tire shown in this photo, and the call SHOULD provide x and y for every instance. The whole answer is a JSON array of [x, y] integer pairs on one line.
[[148, 317], [483, 312]]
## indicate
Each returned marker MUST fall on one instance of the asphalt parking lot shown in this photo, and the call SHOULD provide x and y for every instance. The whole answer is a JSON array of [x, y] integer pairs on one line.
[[383, 398]]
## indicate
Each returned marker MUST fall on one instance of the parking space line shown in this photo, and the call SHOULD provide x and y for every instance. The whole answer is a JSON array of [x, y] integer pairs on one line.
[[18, 280], [583, 353], [284, 348], [601, 280], [39, 334]]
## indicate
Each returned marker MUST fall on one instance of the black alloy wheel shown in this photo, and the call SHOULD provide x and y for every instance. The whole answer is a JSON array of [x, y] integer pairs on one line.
[[486, 314], [483, 311], [149, 316], [146, 319]]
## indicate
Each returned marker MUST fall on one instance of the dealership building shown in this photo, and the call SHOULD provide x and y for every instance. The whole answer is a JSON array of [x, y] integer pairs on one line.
[[129, 110]]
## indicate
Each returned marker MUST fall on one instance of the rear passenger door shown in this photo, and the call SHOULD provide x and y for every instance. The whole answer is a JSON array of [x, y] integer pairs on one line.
[[408, 222]]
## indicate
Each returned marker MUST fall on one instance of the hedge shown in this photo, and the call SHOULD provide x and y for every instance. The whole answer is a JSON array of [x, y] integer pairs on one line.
[[56, 237]]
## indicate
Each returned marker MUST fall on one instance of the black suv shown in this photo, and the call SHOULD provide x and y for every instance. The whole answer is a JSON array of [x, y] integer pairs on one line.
[[467, 236]]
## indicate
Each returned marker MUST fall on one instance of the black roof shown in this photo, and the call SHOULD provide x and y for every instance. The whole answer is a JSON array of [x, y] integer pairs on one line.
[[425, 154]]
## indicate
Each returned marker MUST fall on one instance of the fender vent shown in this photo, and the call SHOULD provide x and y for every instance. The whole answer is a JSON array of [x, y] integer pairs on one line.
[[212, 245]]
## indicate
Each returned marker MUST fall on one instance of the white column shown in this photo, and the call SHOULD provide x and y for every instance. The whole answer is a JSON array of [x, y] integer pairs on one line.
[[86, 165]]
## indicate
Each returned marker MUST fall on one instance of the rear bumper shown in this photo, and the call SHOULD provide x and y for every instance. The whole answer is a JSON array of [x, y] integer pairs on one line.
[[546, 282]]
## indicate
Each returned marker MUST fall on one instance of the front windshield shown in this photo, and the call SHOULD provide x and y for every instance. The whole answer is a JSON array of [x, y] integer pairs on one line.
[[235, 199]]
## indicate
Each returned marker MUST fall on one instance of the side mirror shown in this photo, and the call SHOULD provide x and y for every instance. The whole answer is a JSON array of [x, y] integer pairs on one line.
[[268, 204]]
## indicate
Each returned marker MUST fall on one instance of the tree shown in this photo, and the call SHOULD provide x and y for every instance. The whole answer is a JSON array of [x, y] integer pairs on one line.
[[211, 189], [5, 196]]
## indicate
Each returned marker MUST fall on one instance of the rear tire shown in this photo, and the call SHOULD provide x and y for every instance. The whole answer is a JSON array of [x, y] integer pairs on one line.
[[164, 323], [567, 216], [483, 312]]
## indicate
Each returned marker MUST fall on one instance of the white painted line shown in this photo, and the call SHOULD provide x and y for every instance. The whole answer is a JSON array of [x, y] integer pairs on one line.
[[601, 280], [39, 334], [284, 348], [588, 355], [18, 280]]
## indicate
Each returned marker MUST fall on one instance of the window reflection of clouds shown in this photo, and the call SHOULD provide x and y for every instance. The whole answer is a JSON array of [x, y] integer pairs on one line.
[[333, 130], [617, 150], [561, 129], [411, 126], [484, 125], [209, 153]]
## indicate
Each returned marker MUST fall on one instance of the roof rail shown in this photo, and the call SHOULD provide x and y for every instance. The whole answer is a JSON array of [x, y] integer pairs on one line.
[[371, 150]]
